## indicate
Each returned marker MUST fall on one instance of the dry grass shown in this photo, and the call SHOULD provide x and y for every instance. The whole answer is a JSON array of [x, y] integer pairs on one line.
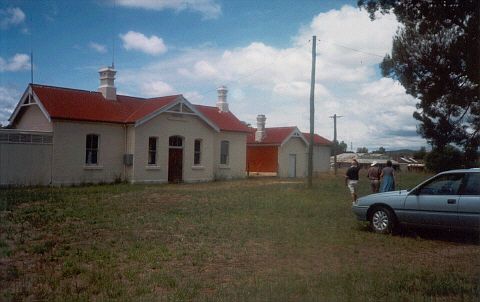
[[258, 239]]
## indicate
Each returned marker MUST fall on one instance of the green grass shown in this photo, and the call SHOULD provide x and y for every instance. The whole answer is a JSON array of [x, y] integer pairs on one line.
[[256, 239]]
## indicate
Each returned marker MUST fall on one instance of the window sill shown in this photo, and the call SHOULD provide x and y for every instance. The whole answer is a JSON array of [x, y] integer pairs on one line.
[[152, 168], [92, 167], [198, 168], [221, 166]]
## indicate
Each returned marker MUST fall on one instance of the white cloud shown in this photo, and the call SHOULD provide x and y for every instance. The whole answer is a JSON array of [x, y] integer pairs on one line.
[[8, 99], [11, 17], [152, 45], [100, 48], [18, 62], [156, 89], [209, 9], [276, 81]]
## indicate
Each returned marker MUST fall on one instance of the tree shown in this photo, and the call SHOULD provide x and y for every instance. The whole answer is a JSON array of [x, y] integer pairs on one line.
[[420, 154], [447, 159], [435, 56], [362, 150], [380, 150], [339, 148]]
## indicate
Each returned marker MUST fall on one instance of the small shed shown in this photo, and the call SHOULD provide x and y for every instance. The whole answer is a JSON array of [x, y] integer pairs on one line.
[[283, 151]]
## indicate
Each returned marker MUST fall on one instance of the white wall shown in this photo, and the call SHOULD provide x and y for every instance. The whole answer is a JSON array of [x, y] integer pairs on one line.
[[163, 126], [69, 152], [321, 159], [32, 118], [296, 146], [25, 164], [236, 166]]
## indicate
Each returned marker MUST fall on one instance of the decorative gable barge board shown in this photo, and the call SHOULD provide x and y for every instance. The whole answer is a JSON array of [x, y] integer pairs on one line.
[[29, 91], [180, 100]]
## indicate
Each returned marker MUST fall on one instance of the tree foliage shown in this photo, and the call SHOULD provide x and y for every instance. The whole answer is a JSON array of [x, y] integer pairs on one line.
[[339, 148], [442, 160], [436, 57], [362, 150], [420, 154]]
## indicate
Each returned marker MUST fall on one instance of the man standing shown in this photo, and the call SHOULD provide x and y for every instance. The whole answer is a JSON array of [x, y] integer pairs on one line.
[[351, 179], [374, 175]]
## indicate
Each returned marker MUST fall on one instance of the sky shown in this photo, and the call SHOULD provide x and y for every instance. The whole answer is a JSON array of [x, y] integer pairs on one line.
[[261, 50]]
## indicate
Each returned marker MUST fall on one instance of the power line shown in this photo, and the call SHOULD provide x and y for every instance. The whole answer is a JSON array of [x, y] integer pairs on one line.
[[354, 49]]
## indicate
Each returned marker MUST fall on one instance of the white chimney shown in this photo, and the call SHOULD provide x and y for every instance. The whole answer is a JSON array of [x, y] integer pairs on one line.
[[107, 83], [222, 99], [260, 133]]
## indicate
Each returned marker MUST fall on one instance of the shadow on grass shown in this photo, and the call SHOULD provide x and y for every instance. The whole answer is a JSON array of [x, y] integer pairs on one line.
[[447, 235], [468, 237]]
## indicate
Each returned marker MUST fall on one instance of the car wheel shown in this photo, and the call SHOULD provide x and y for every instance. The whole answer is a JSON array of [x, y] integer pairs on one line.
[[382, 220]]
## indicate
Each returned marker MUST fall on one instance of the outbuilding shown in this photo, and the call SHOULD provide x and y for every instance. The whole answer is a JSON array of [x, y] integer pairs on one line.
[[283, 151]]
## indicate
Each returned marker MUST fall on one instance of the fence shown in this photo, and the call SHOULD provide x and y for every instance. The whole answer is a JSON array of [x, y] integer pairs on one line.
[[25, 157]]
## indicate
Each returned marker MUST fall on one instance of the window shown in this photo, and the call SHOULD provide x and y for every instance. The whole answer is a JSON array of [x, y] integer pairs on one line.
[[152, 150], [91, 150], [472, 187], [224, 152], [175, 141], [446, 184], [197, 152]]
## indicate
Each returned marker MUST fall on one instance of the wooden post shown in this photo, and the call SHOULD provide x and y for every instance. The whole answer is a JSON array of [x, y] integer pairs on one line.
[[312, 112]]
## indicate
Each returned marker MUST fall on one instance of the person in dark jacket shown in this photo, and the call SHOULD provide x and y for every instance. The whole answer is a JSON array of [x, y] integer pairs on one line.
[[351, 179]]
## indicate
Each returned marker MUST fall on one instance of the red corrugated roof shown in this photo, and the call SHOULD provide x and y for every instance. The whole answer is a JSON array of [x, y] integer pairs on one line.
[[82, 105], [317, 139], [227, 121], [273, 136], [276, 136]]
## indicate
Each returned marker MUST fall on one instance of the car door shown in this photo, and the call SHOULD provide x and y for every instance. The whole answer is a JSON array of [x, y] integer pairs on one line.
[[469, 203], [435, 202]]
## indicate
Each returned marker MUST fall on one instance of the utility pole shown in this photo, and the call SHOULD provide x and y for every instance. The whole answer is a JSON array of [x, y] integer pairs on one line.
[[335, 116], [312, 112]]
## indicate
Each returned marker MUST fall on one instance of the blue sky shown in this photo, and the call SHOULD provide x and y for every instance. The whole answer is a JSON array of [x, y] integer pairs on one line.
[[259, 49]]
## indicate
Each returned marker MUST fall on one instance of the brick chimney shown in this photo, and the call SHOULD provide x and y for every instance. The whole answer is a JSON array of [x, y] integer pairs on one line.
[[107, 83], [260, 133], [222, 99]]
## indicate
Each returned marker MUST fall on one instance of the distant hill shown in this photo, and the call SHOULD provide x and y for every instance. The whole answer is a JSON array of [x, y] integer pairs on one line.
[[405, 152]]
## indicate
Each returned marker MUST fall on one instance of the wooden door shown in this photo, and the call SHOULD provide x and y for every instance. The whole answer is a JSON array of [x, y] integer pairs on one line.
[[175, 165], [292, 165]]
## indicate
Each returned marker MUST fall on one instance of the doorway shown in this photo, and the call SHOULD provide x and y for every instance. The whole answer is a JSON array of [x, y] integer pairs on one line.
[[175, 159], [292, 165]]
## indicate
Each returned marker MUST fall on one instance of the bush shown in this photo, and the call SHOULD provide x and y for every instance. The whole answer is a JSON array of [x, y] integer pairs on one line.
[[442, 160]]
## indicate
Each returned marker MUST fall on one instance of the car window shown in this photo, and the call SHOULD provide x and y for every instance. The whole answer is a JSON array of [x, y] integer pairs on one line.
[[446, 184], [472, 186]]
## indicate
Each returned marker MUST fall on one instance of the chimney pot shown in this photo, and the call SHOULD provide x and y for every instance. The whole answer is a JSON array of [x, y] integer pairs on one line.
[[260, 133], [222, 99], [107, 83]]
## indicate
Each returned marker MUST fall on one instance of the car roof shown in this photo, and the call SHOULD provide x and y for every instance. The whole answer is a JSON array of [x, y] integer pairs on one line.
[[471, 170]]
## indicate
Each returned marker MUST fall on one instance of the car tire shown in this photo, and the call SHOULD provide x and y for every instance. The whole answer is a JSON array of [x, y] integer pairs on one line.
[[382, 220]]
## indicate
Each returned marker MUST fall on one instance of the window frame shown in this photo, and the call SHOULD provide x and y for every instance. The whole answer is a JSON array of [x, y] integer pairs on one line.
[[197, 161], [151, 151], [426, 188], [224, 158], [91, 149], [464, 191]]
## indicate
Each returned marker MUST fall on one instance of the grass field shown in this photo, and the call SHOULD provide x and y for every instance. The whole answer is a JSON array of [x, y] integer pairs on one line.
[[249, 240]]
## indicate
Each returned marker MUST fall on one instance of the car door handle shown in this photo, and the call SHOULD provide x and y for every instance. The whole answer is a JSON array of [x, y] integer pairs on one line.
[[452, 201]]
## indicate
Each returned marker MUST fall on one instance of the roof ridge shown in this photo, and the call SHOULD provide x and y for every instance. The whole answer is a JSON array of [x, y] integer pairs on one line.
[[82, 90], [63, 88], [165, 96]]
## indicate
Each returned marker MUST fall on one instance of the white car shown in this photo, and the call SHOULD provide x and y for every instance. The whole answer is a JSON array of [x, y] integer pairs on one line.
[[449, 199]]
